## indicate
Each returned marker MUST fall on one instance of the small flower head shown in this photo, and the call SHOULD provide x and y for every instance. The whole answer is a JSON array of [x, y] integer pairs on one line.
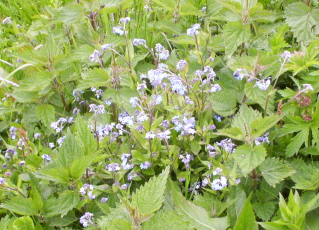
[[263, 84], [181, 64], [119, 30], [138, 41], [46, 157], [193, 30], [2, 180], [145, 165], [161, 52], [104, 199], [87, 219], [125, 20]]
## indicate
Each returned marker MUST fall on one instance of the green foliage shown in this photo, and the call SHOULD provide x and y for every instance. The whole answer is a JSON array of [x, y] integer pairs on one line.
[[103, 101]]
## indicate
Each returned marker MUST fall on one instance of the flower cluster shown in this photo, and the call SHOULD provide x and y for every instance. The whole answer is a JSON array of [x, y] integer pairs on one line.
[[87, 219], [260, 140], [186, 159], [59, 124], [227, 144], [125, 165], [87, 189], [161, 52], [263, 84], [184, 125], [219, 184], [193, 30]]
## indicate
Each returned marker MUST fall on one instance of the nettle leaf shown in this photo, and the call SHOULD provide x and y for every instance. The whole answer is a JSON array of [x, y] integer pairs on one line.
[[67, 201], [260, 96], [149, 198], [244, 118], [93, 78], [183, 40], [83, 131], [36, 81], [222, 103], [165, 220], [119, 224], [246, 219], [24, 222], [70, 14], [46, 113], [265, 211], [306, 176], [303, 21], [235, 34], [197, 216], [70, 151], [249, 157], [274, 171], [21, 205]]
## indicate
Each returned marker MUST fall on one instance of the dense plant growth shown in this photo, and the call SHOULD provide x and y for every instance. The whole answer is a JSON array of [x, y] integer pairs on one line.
[[161, 114]]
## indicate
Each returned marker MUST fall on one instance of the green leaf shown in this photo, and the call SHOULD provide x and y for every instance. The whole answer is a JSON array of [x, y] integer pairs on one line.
[[36, 82], [165, 220], [233, 132], [248, 157], [274, 171], [183, 40], [24, 222], [246, 219], [303, 20], [118, 224], [69, 151], [260, 126], [235, 34], [149, 198], [83, 131], [46, 113], [70, 14], [65, 221], [20, 205], [306, 176], [53, 172], [93, 78], [79, 166], [67, 201], [51, 207], [197, 216], [260, 96], [222, 103], [265, 211], [296, 142]]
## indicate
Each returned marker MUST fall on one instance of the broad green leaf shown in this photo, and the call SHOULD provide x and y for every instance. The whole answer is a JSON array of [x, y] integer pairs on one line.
[[149, 198], [51, 207], [277, 225], [248, 157], [233, 132], [119, 224], [260, 96], [246, 219], [260, 126], [70, 14], [303, 21], [306, 176], [184, 40], [53, 172], [65, 221], [197, 216], [83, 131], [296, 142], [79, 166], [222, 103], [190, 9], [46, 113], [274, 171], [6, 222], [235, 34], [24, 222], [238, 194], [67, 201], [167, 4], [265, 211], [36, 82], [70, 151], [93, 78], [21, 205], [165, 220]]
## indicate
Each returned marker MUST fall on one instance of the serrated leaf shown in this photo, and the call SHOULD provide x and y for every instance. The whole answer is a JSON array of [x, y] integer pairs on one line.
[[260, 126], [50, 207], [24, 222], [67, 201], [184, 40], [248, 157], [83, 131], [70, 13], [246, 219], [233, 132], [79, 166], [65, 221], [274, 171], [296, 142], [235, 34], [46, 113], [306, 176], [93, 78], [222, 103], [119, 224], [165, 220], [53, 172], [260, 96], [36, 82], [21, 205], [149, 198], [265, 211], [303, 20], [197, 216]]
